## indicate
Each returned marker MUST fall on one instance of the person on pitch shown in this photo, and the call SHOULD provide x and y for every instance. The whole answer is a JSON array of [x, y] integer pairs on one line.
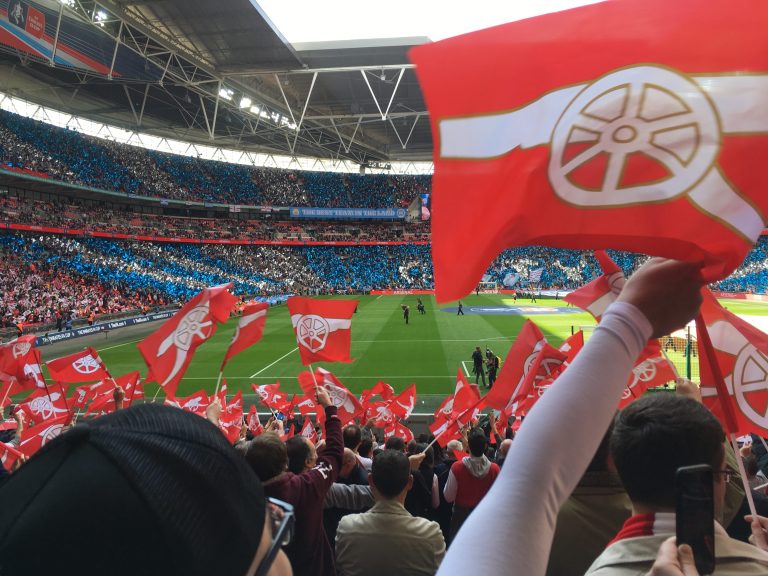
[[477, 360]]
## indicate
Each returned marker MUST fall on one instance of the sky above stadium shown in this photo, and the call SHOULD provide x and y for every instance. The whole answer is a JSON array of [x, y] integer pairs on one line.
[[301, 21]]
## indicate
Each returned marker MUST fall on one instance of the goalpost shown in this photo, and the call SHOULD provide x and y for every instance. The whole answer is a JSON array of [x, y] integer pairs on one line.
[[488, 287]]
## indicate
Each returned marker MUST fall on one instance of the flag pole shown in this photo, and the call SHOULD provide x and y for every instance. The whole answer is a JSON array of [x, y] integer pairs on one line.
[[7, 393], [218, 382], [674, 368], [705, 343], [743, 473]]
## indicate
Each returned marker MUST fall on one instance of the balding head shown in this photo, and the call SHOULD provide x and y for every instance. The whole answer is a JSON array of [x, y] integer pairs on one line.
[[348, 463], [504, 447]]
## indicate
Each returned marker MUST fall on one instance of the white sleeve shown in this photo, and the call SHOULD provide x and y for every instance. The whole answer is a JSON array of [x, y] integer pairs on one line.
[[435, 492], [517, 517], [451, 487]]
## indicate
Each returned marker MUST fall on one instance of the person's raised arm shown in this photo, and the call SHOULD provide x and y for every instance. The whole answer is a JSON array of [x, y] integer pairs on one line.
[[333, 454], [517, 517]]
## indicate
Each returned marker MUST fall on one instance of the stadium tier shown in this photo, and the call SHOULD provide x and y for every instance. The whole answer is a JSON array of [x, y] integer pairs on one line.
[[60, 154]]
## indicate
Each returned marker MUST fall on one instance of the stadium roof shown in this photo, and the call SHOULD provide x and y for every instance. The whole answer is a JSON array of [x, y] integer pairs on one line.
[[221, 73]]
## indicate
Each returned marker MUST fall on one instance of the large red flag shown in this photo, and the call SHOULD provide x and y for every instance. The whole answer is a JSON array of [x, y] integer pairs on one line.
[[397, 428], [308, 431], [254, 424], [85, 366], [403, 404], [637, 125], [271, 396], [231, 419], [44, 404], [88, 392], [651, 369], [169, 350], [196, 403], [346, 403], [249, 329], [8, 456], [596, 296], [20, 361], [465, 396], [323, 328], [741, 355], [34, 438], [520, 357], [539, 376]]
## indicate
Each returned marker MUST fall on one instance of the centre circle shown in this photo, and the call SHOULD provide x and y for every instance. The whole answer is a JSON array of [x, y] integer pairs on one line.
[[624, 134]]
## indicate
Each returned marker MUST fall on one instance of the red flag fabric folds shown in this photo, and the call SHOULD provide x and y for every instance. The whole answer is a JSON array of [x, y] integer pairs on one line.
[[596, 296], [231, 419], [34, 438], [400, 430], [85, 366], [652, 369], [637, 125], [45, 404], [196, 403], [250, 329], [741, 353], [348, 406], [520, 357], [20, 361], [254, 424], [323, 328], [169, 350], [308, 431]]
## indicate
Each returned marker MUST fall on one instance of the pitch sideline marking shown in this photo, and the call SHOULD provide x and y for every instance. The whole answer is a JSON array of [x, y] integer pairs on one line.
[[273, 363], [118, 345], [464, 365]]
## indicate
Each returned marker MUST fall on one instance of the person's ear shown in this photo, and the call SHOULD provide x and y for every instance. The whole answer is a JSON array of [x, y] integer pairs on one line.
[[410, 482]]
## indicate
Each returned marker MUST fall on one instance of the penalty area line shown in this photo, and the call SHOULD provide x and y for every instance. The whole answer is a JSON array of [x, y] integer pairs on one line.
[[464, 365], [273, 363]]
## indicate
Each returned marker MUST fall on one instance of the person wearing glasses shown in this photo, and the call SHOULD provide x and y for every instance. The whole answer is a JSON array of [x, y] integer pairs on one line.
[[147, 490], [310, 552], [653, 437]]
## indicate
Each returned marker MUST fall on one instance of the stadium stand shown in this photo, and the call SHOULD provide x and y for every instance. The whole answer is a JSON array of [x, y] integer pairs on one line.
[[66, 155]]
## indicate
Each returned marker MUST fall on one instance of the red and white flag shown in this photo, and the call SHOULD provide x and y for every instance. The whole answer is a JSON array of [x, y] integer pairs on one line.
[[196, 403], [520, 357], [85, 366], [250, 329], [651, 369], [231, 418], [271, 396], [20, 361], [741, 356], [8, 456], [308, 431], [348, 406], [34, 438], [398, 429], [132, 386], [305, 405], [45, 404], [323, 328], [572, 346], [596, 296], [637, 125], [465, 397], [403, 404], [84, 394], [169, 350], [380, 388], [254, 424], [546, 367]]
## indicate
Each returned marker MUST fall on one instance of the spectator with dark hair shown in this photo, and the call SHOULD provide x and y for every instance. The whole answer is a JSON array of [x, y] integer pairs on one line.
[[387, 540], [395, 443], [424, 496], [144, 471], [469, 480], [653, 437], [302, 454], [310, 552], [353, 436]]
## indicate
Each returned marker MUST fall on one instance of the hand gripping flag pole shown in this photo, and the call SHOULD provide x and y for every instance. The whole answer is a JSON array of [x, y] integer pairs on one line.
[[722, 392]]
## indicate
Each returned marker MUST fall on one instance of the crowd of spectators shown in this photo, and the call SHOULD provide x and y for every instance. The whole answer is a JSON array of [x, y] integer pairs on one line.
[[352, 503], [78, 214], [35, 289], [69, 156]]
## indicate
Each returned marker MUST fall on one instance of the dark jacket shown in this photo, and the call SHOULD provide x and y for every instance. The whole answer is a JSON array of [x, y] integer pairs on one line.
[[310, 552]]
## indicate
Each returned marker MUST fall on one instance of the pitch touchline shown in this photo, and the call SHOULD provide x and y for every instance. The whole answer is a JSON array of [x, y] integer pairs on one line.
[[273, 363], [118, 345]]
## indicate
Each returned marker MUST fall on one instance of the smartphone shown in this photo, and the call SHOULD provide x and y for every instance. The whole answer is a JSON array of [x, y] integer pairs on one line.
[[695, 514], [279, 415]]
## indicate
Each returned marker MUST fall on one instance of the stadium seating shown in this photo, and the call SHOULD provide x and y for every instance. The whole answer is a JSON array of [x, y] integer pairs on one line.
[[67, 155]]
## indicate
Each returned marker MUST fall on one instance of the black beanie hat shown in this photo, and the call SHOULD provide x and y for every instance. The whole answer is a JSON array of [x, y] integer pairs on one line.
[[147, 490]]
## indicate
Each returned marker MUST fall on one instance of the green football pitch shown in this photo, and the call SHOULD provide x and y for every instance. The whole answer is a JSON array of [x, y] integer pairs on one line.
[[428, 351]]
